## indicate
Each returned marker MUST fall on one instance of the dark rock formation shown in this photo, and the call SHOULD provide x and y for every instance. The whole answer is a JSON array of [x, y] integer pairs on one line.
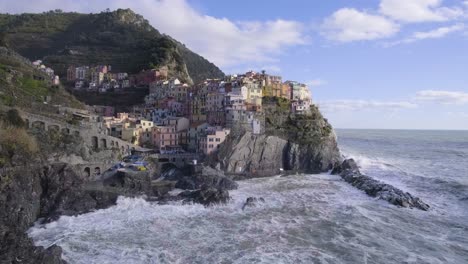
[[206, 196], [263, 155], [205, 176], [49, 191], [252, 201], [25, 195], [349, 171], [129, 182]]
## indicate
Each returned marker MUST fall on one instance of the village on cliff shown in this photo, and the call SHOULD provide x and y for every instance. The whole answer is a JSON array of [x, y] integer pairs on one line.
[[183, 122]]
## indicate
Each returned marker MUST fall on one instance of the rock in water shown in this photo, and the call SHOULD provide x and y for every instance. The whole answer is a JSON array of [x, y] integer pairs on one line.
[[206, 176], [206, 196], [349, 171], [252, 201]]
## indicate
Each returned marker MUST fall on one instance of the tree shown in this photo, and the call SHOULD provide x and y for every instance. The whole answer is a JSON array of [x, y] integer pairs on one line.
[[13, 118], [3, 39]]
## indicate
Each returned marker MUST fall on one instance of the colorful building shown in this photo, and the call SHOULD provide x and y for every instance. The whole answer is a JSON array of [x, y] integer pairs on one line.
[[213, 137]]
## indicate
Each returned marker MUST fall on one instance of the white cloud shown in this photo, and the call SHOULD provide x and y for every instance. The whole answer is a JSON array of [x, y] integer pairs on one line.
[[443, 97], [357, 105], [348, 24], [433, 34], [411, 11], [316, 82], [220, 40], [439, 32]]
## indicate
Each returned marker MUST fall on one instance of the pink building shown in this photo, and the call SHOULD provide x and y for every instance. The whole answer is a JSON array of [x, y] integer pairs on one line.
[[71, 74], [164, 137], [214, 137]]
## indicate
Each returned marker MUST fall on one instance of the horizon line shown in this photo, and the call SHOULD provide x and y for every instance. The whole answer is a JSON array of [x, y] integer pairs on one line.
[[411, 129]]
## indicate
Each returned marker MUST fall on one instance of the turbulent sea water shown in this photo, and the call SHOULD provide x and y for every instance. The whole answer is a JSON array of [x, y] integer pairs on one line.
[[305, 218]]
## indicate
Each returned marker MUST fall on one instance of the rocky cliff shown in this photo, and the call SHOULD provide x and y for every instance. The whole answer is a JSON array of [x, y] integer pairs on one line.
[[295, 143], [36, 182]]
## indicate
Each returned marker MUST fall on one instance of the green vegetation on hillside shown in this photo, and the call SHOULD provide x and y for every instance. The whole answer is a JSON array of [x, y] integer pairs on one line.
[[121, 101], [308, 128], [15, 142], [121, 38], [22, 85]]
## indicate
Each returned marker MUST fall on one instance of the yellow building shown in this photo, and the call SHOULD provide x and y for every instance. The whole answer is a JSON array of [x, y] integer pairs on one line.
[[254, 92], [131, 134]]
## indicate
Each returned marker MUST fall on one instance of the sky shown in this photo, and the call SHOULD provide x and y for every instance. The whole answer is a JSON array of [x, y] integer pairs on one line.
[[392, 64]]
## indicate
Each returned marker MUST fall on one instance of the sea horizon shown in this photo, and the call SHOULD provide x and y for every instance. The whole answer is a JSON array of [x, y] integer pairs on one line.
[[404, 129]]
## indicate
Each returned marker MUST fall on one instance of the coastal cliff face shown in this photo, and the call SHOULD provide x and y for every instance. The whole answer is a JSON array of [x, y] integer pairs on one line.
[[25, 195], [263, 155], [38, 180], [297, 143]]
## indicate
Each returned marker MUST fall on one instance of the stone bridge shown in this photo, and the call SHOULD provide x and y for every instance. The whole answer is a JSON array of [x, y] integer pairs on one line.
[[91, 135], [91, 171]]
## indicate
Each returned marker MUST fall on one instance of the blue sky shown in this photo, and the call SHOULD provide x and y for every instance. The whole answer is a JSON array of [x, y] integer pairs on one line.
[[369, 63]]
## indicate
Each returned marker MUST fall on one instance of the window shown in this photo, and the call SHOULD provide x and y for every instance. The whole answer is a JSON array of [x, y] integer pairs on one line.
[[218, 140], [210, 146]]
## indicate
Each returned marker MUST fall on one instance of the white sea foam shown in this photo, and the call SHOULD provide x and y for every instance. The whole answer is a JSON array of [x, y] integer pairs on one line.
[[305, 219]]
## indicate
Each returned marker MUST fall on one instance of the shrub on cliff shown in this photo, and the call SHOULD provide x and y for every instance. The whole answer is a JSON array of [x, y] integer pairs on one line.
[[12, 118], [15, 143]]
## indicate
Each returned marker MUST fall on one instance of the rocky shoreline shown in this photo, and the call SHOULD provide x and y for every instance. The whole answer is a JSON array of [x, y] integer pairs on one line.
[[44, 193], [48, 192], [349, 171]]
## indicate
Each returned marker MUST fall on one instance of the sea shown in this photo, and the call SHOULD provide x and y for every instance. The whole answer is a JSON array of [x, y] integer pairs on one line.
[[304, 219]]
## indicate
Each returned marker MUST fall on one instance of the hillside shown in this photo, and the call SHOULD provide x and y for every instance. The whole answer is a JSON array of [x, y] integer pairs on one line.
[[121, 38], [23, 85]]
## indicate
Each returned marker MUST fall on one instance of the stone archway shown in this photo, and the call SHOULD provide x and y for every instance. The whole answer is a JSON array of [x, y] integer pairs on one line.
[[53, 127], [103, 143], [94, 142], [87, 172], [39, 125], [97, 171]]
